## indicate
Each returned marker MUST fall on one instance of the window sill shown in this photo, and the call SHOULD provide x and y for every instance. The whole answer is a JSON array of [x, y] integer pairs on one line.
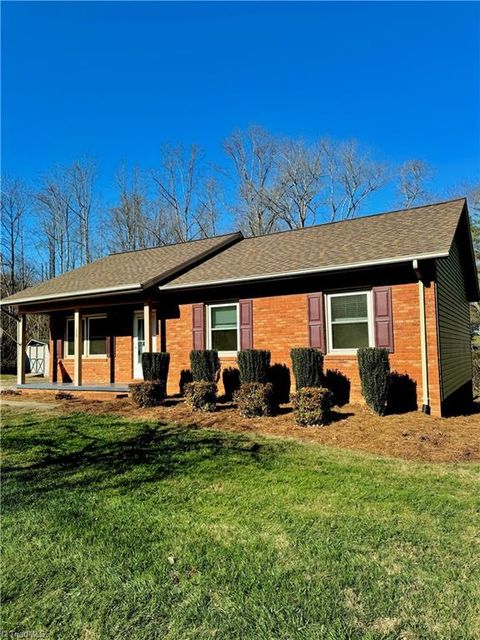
[[342, 352], [72, 358]]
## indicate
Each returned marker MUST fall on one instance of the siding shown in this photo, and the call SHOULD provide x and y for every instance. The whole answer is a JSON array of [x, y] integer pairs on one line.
[[453, 323]]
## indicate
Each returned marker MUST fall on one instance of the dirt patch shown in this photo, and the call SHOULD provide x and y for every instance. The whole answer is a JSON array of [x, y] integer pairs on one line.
[[412, 436]]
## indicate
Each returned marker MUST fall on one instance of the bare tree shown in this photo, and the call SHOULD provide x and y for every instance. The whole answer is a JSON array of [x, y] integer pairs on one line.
[[187, 203], [351, 177], [413, 176], [128, 220], [254, 154], [81, 177], [15, 203], [298, 184]]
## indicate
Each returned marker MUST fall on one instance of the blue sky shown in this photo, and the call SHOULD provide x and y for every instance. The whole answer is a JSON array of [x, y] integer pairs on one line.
[[116, 80]]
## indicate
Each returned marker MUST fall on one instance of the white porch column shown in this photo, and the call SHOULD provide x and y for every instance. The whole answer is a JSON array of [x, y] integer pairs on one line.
[[21, 349], [147, 325], [77, 348]]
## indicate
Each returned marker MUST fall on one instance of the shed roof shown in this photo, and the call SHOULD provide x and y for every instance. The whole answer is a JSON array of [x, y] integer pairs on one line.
[[420, 232]]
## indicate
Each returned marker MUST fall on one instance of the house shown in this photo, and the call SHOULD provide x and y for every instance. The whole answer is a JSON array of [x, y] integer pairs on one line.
[[401, 280]]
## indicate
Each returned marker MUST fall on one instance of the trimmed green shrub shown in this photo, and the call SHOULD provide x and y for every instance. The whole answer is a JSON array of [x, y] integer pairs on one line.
[[279, 376], [253, 365], [339, 385], [312, 406], [149, 393], [307, 366], [155, 366], [204, 365], [201, 395], [255, 399], [231, 382], [374, 368], [185, 377]]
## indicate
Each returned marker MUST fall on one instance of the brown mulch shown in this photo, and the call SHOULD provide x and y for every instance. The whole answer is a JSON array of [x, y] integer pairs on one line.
[[411, 436]]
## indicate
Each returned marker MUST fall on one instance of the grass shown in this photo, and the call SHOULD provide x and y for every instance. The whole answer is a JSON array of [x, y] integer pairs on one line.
[[114, 529]]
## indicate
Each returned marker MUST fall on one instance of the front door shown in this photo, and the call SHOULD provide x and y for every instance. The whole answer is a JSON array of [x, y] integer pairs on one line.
[[139, 342]]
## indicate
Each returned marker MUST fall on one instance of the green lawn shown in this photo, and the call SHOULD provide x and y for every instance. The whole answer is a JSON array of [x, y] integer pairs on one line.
[[115, 529]]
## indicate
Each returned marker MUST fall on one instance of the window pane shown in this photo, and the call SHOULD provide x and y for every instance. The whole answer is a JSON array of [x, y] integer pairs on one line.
[[349, 307], [97, 338], [70, 346], [224, 317], [224, 340], [70, 333], [350, 336]]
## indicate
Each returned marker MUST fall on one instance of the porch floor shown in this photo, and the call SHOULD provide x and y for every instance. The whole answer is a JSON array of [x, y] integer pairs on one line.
[[69, 386]]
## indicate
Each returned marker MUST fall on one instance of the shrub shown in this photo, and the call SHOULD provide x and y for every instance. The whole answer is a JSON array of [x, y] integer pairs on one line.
[[231, 382], [185, 377], [149, 393], [312, 406], [253, 365], [279, 376], [339, 385], [402, 393], [374, 368], [155, 366], [201, 395], [255, 399], [204, 365], [307, 366]]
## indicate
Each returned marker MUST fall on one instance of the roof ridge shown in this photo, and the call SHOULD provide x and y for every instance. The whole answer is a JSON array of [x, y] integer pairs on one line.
[[174, 244], [369, 215]]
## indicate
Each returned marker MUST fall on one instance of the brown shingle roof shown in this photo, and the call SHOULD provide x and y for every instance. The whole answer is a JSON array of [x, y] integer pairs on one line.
[[125, 271], [425, 231]]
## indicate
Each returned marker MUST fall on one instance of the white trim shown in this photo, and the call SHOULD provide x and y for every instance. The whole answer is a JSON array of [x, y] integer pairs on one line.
[[223, 354], [86, 337], [370, 322], [139, 314], [72, 294], [282, 274]]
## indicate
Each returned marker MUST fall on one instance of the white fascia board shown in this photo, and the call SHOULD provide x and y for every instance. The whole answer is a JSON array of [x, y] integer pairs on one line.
[[72, 294], [343, 267]]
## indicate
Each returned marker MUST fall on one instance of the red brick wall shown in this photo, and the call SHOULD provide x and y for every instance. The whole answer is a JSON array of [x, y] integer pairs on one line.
[[280, 323]]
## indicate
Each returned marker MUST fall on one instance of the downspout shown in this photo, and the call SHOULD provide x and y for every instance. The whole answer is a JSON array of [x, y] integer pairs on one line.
[[423, 339]]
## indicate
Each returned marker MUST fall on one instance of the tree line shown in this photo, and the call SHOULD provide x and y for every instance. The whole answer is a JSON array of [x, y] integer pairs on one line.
[[266, 183]]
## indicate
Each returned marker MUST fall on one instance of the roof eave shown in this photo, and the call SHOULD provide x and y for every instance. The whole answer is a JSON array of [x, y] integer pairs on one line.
[[70, 295], [302, 272]]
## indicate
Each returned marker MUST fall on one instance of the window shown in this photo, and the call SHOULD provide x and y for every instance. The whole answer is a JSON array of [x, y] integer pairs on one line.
[[94, 332], [349, 321], [223, 323]]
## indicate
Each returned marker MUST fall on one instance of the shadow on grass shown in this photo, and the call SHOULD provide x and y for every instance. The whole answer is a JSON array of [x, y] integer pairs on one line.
[[74, 458]]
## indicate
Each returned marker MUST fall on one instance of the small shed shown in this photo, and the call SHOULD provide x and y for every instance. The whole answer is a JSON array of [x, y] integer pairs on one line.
[[37, 352]]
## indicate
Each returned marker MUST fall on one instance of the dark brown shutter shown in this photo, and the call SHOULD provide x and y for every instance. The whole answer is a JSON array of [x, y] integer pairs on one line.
[[60, 328], [382, 305], [316, 322], [246, 324], [198, 326]]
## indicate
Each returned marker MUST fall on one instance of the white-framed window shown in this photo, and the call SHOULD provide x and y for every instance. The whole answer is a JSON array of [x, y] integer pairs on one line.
[[223, 333], [94, 333], [349, 321]]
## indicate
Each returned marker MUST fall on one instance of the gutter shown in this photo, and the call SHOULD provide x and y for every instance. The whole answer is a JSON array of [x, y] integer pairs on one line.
[[423, 339], [343, 267]]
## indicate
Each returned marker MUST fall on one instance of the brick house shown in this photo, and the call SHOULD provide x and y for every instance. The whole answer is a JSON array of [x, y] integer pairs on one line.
[[401, 280]]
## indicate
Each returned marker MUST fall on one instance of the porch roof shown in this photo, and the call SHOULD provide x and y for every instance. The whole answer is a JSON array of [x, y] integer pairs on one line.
[[124, 272]]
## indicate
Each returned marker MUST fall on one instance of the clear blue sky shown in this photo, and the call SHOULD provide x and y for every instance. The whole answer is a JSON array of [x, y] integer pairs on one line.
[[118, 79]]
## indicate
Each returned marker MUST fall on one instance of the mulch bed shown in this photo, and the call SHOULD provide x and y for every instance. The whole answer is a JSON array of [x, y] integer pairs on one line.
[[411, 436]]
